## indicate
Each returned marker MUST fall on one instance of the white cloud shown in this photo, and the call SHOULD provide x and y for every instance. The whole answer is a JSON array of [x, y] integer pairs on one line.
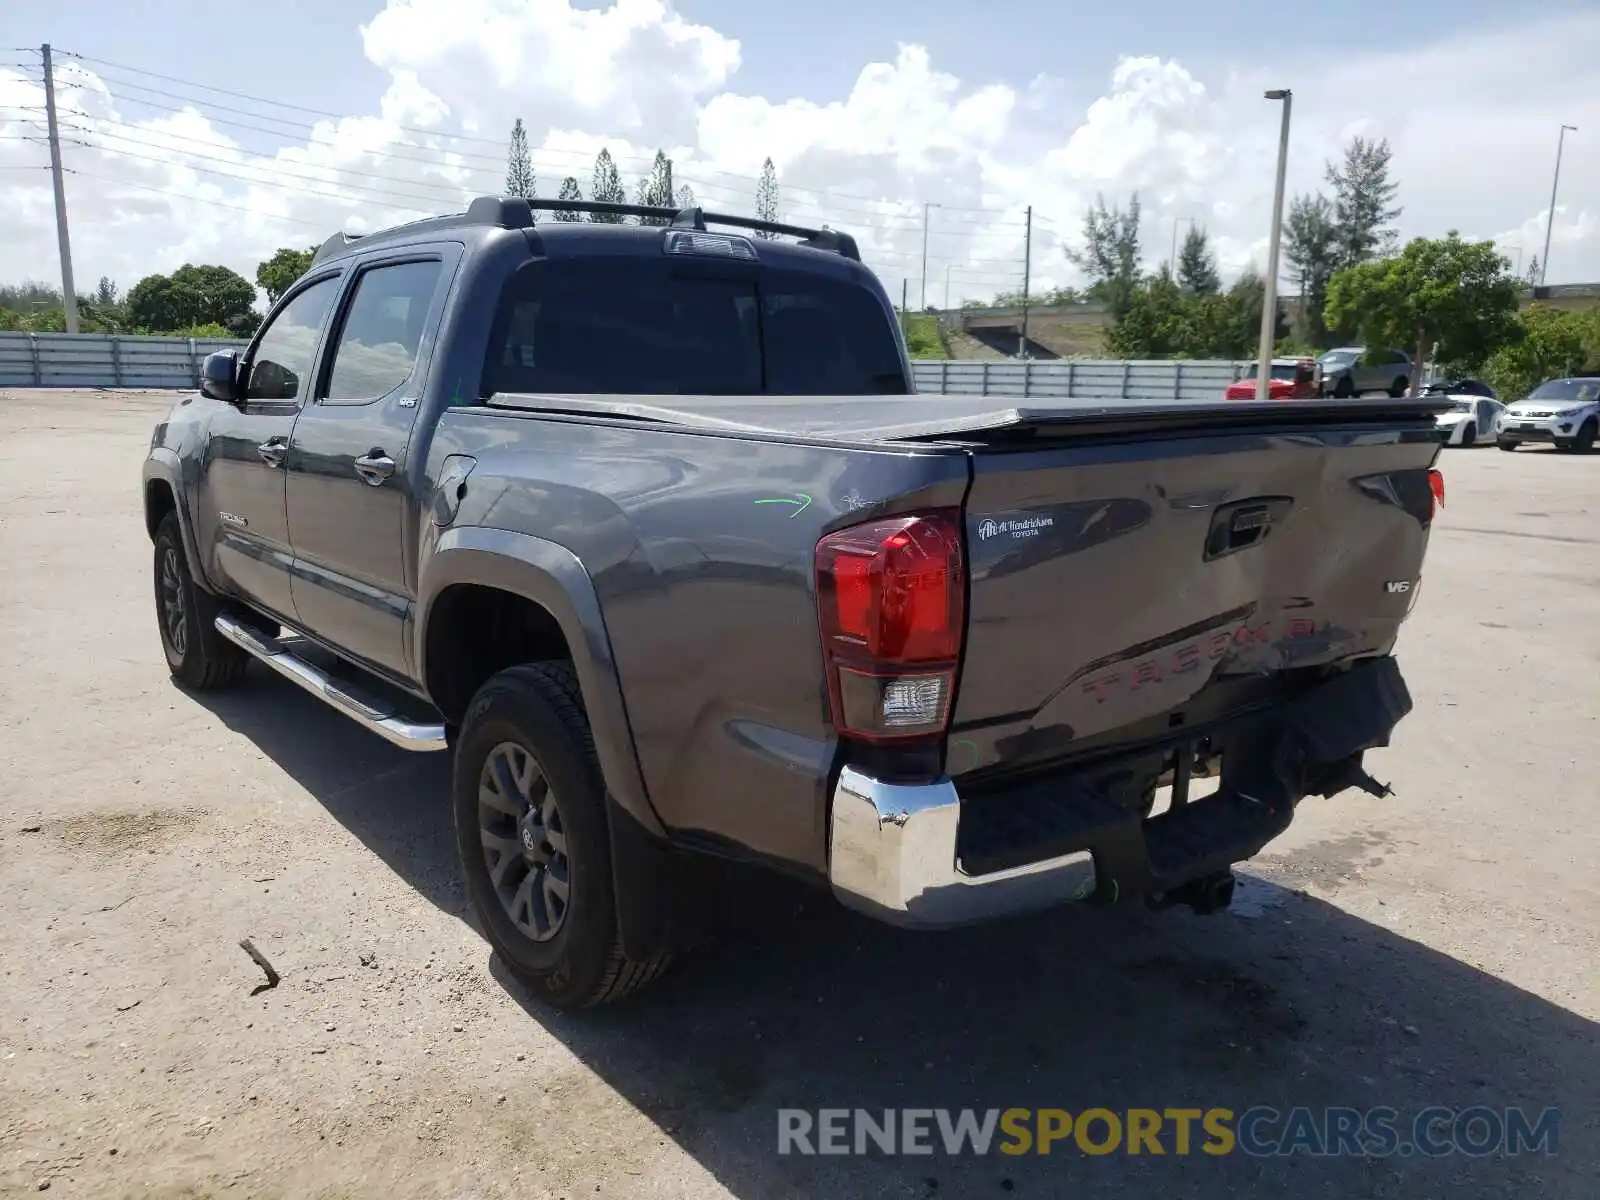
[[1473, 145]]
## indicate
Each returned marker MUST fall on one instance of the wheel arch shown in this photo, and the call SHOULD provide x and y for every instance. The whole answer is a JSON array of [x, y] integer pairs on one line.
[[163, 494], [541, 599]]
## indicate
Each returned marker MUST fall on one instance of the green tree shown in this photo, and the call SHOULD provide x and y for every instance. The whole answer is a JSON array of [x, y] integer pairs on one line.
[[685, 197], [277, 275], [767, 196], [607, 187], [1110, 253], [1445, 290], [569, 191], [191, 296], [1553, 343], [1197, 266], [655, 189], [519, 166], [1158, 322], [1311, 247], [29, 296], [1362, 198]]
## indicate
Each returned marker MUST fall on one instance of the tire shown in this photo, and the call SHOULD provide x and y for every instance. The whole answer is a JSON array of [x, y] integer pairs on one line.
[[1505, 445], [1398, 387], [197, 655], [1344, 389], [1469, 435], [1584, 442], [529, 799]]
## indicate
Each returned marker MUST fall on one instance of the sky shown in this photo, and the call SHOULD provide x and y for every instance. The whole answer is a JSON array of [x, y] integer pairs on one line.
[[191, 136]]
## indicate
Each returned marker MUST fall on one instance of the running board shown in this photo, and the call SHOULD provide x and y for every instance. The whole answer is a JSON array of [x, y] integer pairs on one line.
[[363, 710]]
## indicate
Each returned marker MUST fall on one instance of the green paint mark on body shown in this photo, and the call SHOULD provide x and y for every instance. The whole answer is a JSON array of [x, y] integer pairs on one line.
[[799, 502]]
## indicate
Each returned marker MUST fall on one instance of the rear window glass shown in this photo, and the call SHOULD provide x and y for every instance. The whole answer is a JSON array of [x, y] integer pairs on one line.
[[645, 327]]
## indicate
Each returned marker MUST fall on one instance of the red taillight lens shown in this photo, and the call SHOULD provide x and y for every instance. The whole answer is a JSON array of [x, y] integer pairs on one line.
[[1436, 490], [891, 600]]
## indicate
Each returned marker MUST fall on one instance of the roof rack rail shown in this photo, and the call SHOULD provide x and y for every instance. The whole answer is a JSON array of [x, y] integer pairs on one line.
[[515, 212], [337, 244]]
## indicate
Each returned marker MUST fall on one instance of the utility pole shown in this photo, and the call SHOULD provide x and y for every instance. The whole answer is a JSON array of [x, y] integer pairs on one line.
[[1544, 263], [925, 208], [1269, 302], [69, 297], [1027, 267], [947, 287]]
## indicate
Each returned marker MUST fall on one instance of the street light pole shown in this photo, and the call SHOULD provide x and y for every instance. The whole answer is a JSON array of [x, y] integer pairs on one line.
[[1269, 305], [1544, 263]]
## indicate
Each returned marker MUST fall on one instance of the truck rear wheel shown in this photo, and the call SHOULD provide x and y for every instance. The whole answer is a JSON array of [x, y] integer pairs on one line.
[[534, 843], [197, 655]]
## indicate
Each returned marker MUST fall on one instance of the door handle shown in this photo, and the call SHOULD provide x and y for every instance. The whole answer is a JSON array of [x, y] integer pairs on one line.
[[272, 451], [374, 466]]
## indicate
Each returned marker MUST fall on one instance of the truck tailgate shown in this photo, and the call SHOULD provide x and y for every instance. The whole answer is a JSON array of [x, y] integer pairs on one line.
[[1123, 588]]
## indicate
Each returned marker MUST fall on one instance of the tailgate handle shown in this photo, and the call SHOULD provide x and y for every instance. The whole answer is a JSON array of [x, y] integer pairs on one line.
[[1244, 523]]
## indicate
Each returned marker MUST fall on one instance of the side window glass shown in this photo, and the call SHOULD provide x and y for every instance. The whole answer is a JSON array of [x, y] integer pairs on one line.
[[382, 331], [281, 363]]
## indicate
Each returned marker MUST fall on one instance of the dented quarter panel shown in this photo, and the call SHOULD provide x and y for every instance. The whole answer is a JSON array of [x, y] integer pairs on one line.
[[700, 548]]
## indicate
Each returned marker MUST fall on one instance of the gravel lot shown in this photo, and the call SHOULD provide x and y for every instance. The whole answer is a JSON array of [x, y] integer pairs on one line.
[[1439, 947]]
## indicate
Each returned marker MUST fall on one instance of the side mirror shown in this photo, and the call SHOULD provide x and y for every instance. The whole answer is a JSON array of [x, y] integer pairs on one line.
[[219, 376]]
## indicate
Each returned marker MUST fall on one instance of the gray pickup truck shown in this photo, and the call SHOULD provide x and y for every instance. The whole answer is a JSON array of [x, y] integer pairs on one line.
[[643, 523]]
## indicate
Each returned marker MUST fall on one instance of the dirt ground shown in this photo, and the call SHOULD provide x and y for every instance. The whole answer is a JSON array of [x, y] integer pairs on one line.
[[1438, 947]]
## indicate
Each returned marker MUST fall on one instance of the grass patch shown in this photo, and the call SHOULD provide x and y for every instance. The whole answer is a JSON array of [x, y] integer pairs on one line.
[[923, 339]]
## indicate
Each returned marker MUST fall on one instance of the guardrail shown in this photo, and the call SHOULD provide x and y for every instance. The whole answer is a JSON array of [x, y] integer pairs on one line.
[[1120, 379], [133, 361], [103, 360]]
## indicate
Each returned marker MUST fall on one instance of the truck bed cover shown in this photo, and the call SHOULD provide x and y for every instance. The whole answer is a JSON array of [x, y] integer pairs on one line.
[[947, 418]]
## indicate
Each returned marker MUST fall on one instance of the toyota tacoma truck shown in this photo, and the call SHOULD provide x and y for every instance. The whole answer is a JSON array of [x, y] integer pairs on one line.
[[643, 523]]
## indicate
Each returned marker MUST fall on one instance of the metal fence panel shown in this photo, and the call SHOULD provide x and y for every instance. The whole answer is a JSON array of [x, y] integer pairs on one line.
[[1080, 379], [133, 361], [81, 360]]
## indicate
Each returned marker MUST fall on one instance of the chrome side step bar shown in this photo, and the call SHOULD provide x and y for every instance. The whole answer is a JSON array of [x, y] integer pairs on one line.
[[402, 732]]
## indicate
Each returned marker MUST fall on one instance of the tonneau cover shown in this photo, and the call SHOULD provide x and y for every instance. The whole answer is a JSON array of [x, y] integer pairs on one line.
[[925, 417]]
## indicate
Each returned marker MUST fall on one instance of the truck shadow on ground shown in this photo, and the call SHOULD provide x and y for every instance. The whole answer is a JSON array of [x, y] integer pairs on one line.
[[1285, 1001]]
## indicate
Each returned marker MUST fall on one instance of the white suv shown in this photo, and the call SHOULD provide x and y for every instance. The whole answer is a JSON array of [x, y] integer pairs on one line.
[[1563, 411]]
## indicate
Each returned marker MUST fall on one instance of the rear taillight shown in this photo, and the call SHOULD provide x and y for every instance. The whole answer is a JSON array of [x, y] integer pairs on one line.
[[891, 600], [1435, 490]]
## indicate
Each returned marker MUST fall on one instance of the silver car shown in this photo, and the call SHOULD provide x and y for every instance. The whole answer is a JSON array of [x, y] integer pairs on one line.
[[1353, 370]]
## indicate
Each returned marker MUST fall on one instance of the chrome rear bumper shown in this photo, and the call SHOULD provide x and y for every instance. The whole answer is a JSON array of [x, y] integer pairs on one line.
[[892, 855]]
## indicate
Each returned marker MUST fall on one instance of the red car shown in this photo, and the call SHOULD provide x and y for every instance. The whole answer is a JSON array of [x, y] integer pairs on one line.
[[1292, 379]]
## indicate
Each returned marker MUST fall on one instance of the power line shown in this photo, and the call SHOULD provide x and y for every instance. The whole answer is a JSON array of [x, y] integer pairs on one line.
[[878, 218], [275, 169], [206, 200], [419, 131], [356, 197]]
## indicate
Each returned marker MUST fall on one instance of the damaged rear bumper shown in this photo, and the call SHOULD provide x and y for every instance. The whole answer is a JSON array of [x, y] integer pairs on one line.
[[925, 855]]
